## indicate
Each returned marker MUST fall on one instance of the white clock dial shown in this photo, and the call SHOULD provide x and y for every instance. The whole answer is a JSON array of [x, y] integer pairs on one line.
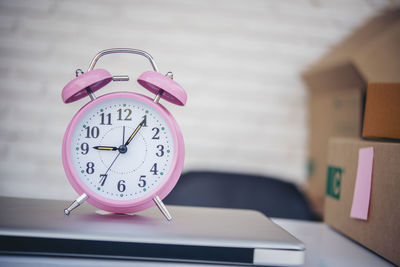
[[122, 149]]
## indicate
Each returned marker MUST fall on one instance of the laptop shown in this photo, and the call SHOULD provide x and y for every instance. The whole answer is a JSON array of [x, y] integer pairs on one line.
[[195, 234]]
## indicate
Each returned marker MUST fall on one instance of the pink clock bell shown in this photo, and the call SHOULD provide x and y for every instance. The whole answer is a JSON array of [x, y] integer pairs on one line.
[[123, 152]]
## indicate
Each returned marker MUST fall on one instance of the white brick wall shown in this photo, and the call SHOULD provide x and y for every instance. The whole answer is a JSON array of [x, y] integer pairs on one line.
[[238, 60]]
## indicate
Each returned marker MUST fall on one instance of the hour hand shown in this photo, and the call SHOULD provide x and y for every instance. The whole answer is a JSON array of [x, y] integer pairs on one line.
[[111, 148]]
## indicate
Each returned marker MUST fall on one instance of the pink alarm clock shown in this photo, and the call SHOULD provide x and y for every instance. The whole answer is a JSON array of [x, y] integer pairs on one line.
[[123, 152]]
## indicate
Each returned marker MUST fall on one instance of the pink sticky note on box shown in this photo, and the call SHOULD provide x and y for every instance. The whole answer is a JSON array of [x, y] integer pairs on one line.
[[362, 189]]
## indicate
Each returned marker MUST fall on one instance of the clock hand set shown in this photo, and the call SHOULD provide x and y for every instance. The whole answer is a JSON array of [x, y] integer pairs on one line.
[[121, 150]]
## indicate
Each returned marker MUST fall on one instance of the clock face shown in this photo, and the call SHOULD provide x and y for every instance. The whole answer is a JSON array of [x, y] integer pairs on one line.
[[122, 148]]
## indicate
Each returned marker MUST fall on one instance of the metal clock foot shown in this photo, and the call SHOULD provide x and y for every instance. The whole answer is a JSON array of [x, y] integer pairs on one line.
[[76, 204], [162, 208]]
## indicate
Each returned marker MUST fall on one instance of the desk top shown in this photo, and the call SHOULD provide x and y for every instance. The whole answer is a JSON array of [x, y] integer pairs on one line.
[[325, 247]]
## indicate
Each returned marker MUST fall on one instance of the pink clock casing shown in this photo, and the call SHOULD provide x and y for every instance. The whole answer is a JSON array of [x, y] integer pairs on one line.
[[125, 206]]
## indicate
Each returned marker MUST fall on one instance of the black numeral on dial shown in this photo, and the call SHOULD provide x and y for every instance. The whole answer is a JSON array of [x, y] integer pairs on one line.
[[157, 131], [103, 179], [144, 122], [84, 148], [92, 132], [90, 168], [160, 152], [105, 118], [121, 186], [127, 114], [154, 169], [142, 181]]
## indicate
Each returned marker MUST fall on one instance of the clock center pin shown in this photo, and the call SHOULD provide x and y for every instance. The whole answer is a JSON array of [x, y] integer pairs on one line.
[[123, 149]]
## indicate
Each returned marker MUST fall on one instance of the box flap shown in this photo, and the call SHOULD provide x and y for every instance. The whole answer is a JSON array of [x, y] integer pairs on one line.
[[344, 76], [342, 52], [379, 61], [351, 64], [382, 110]]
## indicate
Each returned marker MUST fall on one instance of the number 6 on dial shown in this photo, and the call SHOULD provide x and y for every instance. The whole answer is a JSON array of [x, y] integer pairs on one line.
[[123, 152]]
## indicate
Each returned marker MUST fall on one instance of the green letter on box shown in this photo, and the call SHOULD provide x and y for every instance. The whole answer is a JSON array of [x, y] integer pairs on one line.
[[333, 181]]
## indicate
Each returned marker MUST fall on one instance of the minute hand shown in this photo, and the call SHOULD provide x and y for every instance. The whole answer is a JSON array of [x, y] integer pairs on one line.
[[134, 132]]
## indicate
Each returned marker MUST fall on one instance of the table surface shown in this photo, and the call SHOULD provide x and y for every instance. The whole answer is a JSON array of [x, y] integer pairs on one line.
[[324, 247]]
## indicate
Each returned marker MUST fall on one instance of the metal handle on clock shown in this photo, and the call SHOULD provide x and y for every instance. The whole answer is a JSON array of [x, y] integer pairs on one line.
[[124, 77], [122, 51]]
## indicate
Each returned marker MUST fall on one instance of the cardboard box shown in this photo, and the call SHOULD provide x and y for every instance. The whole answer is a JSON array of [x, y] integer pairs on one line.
[[382, 111], [337, 86], [381, 232]]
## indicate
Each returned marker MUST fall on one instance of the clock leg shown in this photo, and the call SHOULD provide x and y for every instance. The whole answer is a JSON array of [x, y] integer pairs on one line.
[[162, 208], [76, 204]]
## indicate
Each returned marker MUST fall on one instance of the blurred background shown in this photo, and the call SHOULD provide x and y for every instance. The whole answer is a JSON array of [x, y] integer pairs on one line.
[[239, 61]]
